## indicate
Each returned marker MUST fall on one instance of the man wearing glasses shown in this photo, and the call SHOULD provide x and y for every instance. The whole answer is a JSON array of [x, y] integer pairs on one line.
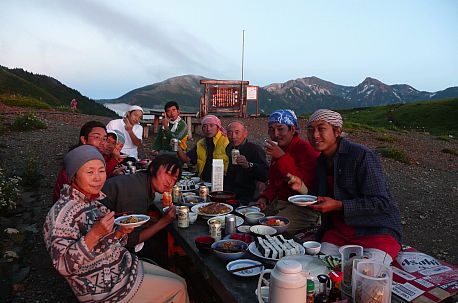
[[93, 133], [290, 155]]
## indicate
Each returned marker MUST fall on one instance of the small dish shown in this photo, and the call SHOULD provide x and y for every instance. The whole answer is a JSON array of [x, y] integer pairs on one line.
[[277, 222], [252, 218], [245, 263], [263, 230], [312, 247], [244, 229], [132, 220], [228, 250], [245, 209], [303, 200], [204, 243]]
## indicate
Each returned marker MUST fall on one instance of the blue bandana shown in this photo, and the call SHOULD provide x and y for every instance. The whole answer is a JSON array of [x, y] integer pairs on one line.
[[283, 116]]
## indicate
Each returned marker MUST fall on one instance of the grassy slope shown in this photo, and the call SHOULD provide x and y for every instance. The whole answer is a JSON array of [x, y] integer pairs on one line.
[[436, 117]]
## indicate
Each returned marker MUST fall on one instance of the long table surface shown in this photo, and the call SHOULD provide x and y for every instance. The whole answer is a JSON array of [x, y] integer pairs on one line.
[[229, 287]]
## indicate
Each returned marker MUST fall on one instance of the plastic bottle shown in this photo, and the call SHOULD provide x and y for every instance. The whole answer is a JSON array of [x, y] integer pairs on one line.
[[310, 291], [335, 293]]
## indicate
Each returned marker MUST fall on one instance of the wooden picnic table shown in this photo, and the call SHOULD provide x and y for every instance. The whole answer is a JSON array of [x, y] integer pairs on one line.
[[228, 287]]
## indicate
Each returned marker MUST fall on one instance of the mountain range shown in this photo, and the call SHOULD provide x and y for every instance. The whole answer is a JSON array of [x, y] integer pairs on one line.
[[303, 95]]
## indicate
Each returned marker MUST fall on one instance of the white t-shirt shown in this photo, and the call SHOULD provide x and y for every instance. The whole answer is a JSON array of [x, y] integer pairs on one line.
[[129, 147]]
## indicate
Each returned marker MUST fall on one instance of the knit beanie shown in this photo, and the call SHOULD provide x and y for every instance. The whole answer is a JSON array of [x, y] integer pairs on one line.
[[76, 158]]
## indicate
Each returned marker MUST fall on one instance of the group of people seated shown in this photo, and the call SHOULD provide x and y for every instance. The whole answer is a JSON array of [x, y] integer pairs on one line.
[[99, 260]]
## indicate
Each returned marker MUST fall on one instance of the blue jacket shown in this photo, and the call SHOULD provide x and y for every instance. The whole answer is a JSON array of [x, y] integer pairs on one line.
[[360, 184]]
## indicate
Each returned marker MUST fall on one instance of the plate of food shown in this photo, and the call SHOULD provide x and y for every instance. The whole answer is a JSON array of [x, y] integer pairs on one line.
[[303, 200], [212, 209], [273, 248], [132, 220]]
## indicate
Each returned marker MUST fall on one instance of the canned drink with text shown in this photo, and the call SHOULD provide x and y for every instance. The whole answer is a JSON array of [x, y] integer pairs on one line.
[[235, 153], [183, 216], [174, 142], [215, 229], [203, 192], [176, 194]]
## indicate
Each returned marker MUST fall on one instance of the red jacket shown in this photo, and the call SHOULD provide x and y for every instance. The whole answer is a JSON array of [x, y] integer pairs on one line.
[[299, 160]]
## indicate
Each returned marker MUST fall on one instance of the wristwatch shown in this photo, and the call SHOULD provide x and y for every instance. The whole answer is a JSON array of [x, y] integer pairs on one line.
[[250, 164]]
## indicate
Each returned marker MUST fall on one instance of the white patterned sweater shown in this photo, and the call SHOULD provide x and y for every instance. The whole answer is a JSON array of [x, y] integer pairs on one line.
[[108, 273]]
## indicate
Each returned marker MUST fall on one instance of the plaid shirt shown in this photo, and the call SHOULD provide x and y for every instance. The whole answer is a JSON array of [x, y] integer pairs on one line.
[[360, 184]]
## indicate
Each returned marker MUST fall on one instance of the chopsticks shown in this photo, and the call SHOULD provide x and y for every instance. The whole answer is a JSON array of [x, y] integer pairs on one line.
[[245, 268]]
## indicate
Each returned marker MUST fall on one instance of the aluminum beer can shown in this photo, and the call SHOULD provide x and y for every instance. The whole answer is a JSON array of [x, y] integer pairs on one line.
[[230, 224], [183, 216], [215, 230], [174, 142], [235, 153], [176, 194], [203, 192]]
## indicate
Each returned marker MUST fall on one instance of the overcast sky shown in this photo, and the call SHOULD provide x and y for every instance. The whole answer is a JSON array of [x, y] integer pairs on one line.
[[106, 48]]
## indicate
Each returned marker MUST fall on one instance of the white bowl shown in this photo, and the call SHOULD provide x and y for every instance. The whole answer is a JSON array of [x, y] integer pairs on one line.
[[253, 217], [244, 229], [192, 217], [312, 247], [245, 209]]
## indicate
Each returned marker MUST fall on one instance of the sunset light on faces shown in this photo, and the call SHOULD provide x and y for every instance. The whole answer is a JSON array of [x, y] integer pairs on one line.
[[323, 137], [281, 134], [172, 113], [97, 138], [134, 116], [236, 133], [210, 130], [164, 180], [91, 176]]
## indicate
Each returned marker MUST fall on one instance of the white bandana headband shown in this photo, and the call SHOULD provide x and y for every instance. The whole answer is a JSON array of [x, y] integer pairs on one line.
[[332, 117]]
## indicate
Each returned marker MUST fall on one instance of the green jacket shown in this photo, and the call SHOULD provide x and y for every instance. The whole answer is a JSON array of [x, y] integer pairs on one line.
[[163, 138]]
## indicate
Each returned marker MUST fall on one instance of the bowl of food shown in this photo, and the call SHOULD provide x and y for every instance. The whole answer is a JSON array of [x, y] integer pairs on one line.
[[253, 217], [278, 222], [221, 196], [204, 243], [228, 250], [132, 220]]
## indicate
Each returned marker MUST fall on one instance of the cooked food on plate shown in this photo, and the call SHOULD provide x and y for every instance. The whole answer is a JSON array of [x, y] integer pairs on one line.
[[214, 208], [132, 219]]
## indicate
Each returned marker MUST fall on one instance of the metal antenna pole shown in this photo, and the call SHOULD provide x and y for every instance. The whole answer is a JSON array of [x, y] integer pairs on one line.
[[241, 83]]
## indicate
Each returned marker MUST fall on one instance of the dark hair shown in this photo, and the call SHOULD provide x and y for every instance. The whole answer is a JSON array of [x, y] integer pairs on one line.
[[170, 104], [170, 162], [87, 128], [112, 135]]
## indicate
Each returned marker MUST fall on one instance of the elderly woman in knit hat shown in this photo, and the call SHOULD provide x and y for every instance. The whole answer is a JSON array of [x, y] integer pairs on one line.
[[87, 249], [212, 146], [352, 193], [130, 127], [290, 155]]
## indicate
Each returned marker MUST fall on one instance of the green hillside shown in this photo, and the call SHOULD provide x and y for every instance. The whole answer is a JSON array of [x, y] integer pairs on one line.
[[47, 90], [436, 117]]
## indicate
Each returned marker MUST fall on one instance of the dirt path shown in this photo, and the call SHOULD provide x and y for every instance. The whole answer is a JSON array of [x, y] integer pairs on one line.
[[426, 190]]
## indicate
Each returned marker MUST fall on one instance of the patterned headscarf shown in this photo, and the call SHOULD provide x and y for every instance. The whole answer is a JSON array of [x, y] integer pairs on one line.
[[211, 119], [283, 116], [333, 118]]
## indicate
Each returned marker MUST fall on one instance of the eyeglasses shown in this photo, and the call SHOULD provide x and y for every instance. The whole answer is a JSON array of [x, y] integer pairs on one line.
[[99, 138]]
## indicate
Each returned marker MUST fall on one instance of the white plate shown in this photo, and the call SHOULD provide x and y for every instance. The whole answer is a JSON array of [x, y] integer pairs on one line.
[[144, 219], [222, 219], [196, 209], [187, 174], [244, 229], [302, 200], [254, 250], [315, 266], [245, 263], [262, 230]]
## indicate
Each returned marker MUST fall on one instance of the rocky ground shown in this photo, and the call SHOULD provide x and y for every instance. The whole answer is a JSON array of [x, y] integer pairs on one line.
[[426, 190]]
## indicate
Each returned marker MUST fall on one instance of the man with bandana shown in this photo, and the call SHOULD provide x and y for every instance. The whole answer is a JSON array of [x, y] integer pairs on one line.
[[290, 155], [353, 194], [212, 146]]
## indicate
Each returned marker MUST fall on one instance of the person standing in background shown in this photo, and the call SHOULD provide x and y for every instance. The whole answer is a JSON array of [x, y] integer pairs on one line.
[[130, 127], [172, 127]]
